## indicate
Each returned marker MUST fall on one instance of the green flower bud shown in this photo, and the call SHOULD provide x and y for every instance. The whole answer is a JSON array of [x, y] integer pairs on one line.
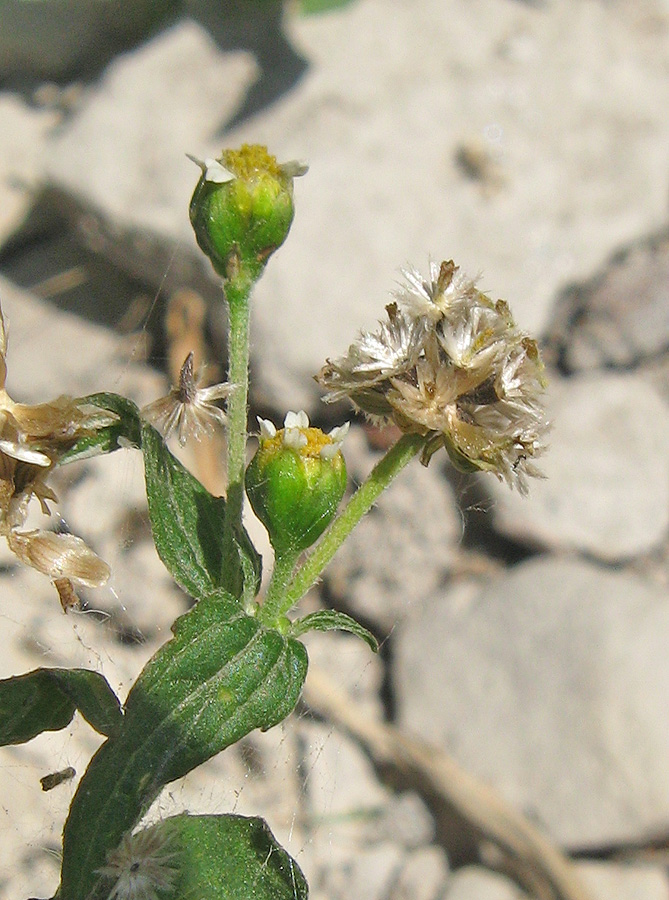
[[296, 481], [242, 207]]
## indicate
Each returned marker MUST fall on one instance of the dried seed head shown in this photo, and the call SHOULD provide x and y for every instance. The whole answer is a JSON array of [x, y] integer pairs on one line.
[[142, 864], [450, 364], [32, 440], [188, 409], [59, 556]]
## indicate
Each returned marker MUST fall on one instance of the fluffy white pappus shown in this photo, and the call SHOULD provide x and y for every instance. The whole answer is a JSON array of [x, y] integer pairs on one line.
[[142, 865]]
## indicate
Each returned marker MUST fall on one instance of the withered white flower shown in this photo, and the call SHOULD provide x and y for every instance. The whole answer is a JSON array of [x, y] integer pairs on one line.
[[373, 359], [450, 365], [188, 409], [141, 865], [432, 297], [32, 439], [59, 556]]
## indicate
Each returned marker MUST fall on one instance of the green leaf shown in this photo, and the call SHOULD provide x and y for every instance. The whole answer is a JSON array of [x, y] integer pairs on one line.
[[235, 858], [220, 677], [248, 563], [46, 700], [187, 523], [308, 7], [221, 857], [106, 440], [331, 620]]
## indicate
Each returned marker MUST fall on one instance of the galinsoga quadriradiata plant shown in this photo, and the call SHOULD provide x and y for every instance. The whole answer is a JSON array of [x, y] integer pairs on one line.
[[448, 366]]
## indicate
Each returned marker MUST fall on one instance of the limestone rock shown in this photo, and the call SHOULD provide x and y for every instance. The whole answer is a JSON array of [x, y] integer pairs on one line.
[[616, 881], [423, 876], [621, 315], [22, 139], [607, 467], [551, 685], [477, 883]]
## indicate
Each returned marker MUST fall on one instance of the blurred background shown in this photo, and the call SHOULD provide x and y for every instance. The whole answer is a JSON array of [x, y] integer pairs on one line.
[[525, 639]]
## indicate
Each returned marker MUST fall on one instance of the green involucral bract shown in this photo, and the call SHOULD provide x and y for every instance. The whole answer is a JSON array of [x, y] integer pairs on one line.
[[247, 217], [294, 494]]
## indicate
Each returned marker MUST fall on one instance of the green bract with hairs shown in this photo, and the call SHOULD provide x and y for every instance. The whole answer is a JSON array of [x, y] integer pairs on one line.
[[296, 481], [242, 207]]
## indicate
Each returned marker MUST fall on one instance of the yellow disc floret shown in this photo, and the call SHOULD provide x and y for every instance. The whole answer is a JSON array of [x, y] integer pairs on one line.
[[251, 160]]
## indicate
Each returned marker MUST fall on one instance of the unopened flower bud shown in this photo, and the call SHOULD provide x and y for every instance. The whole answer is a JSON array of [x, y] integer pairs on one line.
[[242, 207], [296, 481]]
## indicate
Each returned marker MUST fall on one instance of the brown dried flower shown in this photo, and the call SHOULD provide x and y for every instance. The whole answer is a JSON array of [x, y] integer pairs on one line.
[[450, 364], [32, 439], [188, 409]]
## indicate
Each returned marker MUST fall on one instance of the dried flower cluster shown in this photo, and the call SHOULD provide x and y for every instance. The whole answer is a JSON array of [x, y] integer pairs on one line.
[[32, 439], [450, 364]]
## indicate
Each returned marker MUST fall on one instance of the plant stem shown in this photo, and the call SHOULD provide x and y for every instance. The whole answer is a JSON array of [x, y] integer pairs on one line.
[[237, 292], [360, 503], [272, 605]]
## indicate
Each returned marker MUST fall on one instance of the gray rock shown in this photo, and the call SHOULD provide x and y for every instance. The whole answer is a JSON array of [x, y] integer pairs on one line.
[[369, 872], [53, 352], [408, 822], [616, 881], [344, 805], [552, 685], [621, 315], [350, 664], [59, 39], [341, 784], [403, 549], [422, 877], [607, 490], [477, 883], [22, 138]]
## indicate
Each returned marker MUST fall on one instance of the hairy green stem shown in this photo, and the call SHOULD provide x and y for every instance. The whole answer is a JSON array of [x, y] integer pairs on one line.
[[272, 605], [237, 293], [360, 503]]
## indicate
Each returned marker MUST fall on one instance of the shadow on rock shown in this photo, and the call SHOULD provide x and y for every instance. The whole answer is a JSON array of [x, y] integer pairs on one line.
[[65, 40]]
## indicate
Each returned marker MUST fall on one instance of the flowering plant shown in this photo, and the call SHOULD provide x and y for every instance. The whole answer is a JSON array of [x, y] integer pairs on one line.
[[448, 366]]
